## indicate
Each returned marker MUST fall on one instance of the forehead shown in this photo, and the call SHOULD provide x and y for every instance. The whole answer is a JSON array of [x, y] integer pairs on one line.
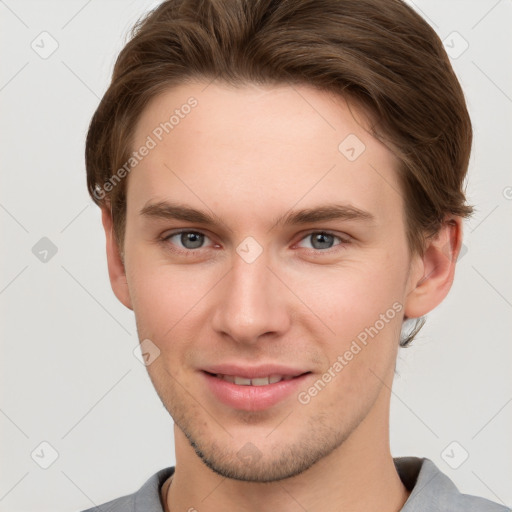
[[266, 146]]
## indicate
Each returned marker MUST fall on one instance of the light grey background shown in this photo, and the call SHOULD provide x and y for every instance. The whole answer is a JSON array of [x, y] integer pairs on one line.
[[69, 376]]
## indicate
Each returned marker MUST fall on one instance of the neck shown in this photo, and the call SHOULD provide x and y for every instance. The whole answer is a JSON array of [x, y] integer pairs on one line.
[[359, 475]]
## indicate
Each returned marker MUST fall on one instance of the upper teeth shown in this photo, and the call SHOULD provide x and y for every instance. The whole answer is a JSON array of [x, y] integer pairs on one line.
[[260, 381]]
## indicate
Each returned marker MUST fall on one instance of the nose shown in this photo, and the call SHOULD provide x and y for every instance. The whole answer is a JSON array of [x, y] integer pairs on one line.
[[251, 302]]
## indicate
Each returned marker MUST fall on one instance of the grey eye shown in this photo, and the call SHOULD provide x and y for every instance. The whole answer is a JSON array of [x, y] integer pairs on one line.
[[321, 240], [191, 239]]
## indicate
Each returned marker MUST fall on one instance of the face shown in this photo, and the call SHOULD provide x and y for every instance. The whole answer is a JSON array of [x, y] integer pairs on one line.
[[266, 258]]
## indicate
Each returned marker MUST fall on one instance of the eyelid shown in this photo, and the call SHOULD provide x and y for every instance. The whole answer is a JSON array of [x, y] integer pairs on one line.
[[170, 234], [164, 239], [343, 238]]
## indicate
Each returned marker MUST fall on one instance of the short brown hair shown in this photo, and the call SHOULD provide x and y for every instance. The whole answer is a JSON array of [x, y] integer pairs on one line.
[[379, 53]]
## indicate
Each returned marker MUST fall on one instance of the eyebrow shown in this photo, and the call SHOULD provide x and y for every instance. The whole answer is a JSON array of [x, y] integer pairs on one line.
[[327, 212], [324, 213], [166, 210]]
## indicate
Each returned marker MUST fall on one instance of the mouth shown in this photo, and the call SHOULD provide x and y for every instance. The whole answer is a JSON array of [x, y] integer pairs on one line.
[[253, 390], [257, 381]]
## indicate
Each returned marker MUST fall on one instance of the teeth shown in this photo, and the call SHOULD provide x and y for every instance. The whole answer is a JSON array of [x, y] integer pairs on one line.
[[260, 381], [242, 381]]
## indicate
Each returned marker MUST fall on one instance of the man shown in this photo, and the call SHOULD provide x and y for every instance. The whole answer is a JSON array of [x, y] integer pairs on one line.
[[281, 185]]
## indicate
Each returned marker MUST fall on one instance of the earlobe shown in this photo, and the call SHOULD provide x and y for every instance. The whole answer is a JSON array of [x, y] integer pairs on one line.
[[433, 273], [116, 268]]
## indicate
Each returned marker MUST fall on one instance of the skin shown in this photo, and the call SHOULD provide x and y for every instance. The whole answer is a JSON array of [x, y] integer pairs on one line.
[[249, 155]]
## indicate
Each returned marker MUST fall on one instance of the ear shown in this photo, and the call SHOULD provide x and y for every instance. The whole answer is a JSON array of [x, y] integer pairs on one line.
[[116, 270], [432, 274]]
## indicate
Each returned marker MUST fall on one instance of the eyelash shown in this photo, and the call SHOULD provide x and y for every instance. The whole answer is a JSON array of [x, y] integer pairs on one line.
[[340, 246]]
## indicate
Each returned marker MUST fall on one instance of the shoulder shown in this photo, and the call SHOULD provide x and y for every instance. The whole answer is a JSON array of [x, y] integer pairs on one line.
[[146, 499], [431, 490]]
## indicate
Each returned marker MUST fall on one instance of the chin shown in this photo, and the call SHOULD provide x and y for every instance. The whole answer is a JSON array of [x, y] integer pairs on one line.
[[278, 461]]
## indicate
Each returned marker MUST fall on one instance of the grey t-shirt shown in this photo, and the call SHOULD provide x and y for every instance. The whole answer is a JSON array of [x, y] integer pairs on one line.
[[432, 491]]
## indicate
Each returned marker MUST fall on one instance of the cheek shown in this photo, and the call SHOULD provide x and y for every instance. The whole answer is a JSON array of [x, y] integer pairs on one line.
[[162, 297], [163, 302], [168, 299], [362, 306], [350, 298], [364, 310]]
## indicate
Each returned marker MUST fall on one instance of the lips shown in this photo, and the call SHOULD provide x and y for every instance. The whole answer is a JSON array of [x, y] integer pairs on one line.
[[252, 388], [258, 381], [255, 372]]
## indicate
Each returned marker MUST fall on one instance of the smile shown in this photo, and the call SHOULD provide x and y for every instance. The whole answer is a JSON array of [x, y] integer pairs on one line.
[[256, 389], [260, 381]]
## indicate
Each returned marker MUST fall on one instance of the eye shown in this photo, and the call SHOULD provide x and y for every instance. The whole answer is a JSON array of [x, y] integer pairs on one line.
[[322, 240], [186, 239]]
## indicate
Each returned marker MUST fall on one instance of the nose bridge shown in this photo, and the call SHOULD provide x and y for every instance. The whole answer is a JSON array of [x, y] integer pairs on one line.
[[251, 304], [250, 280]]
